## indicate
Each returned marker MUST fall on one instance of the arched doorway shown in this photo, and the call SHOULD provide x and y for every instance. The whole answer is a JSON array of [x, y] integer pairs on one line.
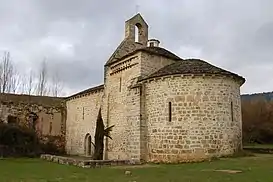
[[88, 145]]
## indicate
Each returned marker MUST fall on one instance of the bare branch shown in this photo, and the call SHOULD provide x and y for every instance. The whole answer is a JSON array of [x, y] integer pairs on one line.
[[23, 84], [42, 82], [57, 85], [7, 74], [14, 81], [7, 71], [30, 83]]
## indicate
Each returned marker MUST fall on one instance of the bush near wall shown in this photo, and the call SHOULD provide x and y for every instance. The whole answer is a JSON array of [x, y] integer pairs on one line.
[[52, 144], [18, 141]]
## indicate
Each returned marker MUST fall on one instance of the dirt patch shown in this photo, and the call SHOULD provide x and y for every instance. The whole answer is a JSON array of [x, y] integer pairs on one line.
[[229, 171]]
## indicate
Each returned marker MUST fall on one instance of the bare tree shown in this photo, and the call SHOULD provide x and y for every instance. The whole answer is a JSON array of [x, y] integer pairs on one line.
[[26, 83], [42, 79], [57, 85], [23, 84], [6, 71], [15, 80], [30, 83]]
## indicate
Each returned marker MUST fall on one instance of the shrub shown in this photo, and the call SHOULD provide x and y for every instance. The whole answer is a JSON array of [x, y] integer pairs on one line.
[[52, 145], [16, 140]]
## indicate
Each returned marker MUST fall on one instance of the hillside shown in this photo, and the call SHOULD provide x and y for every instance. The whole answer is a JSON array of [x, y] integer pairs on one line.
[[268, 96]]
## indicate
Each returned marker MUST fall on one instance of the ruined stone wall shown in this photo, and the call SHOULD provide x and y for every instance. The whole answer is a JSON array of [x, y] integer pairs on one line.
[[82, 112], [205, 118], [50, 111]]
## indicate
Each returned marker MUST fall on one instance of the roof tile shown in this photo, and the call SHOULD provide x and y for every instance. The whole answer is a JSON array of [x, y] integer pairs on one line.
[[192, 66]]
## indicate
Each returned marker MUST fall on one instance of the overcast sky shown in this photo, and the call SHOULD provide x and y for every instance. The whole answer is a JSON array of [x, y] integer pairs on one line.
[[78, 36]]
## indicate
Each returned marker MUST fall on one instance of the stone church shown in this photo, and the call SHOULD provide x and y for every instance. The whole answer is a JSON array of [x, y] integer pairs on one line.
[[164, 108]]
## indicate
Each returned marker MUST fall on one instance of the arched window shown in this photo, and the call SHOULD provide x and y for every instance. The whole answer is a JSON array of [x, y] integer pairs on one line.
[[137, 32]]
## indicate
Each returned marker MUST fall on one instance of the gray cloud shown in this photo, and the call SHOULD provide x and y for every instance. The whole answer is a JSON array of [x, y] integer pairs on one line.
[[77, 37]]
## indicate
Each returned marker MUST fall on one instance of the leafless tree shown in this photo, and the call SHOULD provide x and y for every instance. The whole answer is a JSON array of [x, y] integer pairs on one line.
[[23, 84], [6, 72], [42, 79], [57, 85], [30, 83], [15, 80], [26, 83]]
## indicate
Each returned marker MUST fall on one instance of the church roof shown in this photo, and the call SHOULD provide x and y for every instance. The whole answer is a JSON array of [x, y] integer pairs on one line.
[[151, 50], [125, 48], [160, 52], [192, 66]]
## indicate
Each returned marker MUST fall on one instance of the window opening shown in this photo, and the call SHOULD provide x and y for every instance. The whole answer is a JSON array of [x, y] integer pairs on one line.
[[83, 113], [50, 127], [120, 84], [231, 107], [136, 34], [170, 111]]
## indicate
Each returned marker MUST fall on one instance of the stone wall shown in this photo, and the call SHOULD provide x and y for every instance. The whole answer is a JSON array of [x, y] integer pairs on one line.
[[119, 78], [122, 103], [205, 118], [82, 112], [85, 162], [50, 111], [151, 63]]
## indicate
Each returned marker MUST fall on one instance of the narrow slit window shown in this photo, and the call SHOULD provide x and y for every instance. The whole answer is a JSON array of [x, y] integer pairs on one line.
[[170, 111], [50, 127], [120, 84], [231, 107], [83, 113]]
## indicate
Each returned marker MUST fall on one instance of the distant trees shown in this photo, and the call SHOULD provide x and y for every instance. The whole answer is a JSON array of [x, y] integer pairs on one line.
[[257, 116], [39, 81]]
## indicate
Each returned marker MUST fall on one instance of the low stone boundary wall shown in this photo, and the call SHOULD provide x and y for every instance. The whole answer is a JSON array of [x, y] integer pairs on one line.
[[85, 163]]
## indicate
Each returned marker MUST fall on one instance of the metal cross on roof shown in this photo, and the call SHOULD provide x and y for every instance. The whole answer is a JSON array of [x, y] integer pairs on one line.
[[137, 8]]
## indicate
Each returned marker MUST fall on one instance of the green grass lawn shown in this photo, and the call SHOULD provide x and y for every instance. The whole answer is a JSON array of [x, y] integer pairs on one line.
[[254, 169]]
